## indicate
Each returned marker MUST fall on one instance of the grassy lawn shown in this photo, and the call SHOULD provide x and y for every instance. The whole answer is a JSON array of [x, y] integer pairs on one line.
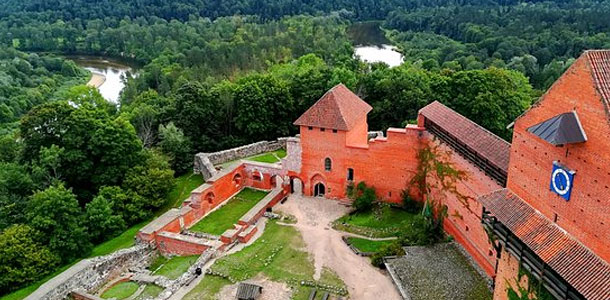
[[278, 255], [176, 266], [269, 157], [151, 291], [207, 288], [121, 291], [223, 218], [384, 221], [365, 245], [184, 185]]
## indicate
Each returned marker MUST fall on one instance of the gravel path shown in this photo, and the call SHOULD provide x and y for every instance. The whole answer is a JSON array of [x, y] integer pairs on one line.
[[314, 216]]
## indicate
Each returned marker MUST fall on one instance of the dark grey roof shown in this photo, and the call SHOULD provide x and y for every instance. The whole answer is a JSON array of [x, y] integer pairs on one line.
[[561, 129], [248, 291]]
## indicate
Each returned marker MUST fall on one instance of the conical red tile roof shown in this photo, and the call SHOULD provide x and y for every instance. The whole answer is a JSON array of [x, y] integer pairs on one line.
[[338, 109]]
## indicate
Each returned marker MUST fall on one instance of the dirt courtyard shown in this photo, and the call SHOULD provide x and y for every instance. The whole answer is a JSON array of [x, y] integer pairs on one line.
[[314, 216]]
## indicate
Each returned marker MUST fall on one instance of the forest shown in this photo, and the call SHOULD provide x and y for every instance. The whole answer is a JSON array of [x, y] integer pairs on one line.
[[77, 170]]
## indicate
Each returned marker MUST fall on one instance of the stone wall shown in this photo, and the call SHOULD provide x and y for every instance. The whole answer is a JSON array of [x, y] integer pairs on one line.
[[204, 162], [91, 274]]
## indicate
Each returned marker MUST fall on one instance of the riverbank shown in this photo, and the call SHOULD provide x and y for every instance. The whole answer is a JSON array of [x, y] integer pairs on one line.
[[96, 80]]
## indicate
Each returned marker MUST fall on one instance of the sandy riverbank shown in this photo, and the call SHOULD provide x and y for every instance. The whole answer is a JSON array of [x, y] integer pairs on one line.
[[96, 80]]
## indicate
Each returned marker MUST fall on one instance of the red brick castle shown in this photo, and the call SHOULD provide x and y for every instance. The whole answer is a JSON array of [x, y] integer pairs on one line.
[[545, 197]]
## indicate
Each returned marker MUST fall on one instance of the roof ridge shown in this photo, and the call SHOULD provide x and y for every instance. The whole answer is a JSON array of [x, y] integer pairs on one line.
[[471, 121]]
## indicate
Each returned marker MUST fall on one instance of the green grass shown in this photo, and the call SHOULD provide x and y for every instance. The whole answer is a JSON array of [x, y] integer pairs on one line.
[[176, 266], [207, 288], [182, 190], [121, 290], [269, 157], [365, 245], [278, 255], [383, 221], [151, 291], [184, 185], [222, 219], [158, 262], [124, 240]]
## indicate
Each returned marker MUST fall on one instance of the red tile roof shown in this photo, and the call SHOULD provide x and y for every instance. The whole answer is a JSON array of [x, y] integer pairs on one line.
[[599, 62], [480, 140], [338, 109], [579, 266]]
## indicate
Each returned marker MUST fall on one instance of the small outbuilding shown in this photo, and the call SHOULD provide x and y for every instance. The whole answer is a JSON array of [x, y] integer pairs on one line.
[[248, 291]]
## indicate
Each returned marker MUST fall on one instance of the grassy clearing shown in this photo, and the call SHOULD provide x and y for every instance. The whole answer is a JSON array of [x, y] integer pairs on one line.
[[176, 266], [151, 291], [381, 221], [269, 157], [184, 185], [222, 219], [278, 255], [364, 245], [121, 290]]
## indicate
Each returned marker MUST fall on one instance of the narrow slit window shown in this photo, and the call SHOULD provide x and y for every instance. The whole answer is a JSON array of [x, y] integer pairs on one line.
[[350, 174], [328, 164]]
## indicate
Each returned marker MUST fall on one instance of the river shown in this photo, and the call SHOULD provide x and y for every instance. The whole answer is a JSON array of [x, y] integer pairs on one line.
[[371, 45], [108, 75]]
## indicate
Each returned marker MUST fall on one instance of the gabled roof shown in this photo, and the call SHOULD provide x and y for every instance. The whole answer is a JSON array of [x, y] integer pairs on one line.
[[561, 129], [338, 109], [480, 140], [575, 263], [599, 62]]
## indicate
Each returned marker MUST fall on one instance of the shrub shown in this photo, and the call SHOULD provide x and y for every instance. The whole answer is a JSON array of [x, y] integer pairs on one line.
[[423, 231], [394, 248], [364, 197], [409, 204]]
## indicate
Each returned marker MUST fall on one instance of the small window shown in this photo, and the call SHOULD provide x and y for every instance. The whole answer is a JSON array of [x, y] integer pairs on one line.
[[310, 128], [327, 164], [334, 130], [350, 174], [322, 129]]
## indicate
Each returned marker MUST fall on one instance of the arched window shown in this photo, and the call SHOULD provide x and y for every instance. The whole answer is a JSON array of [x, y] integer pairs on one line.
[[327, 164]]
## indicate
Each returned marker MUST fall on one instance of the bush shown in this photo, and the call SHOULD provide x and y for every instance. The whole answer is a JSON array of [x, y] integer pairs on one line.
[[409, 204], [364, 198], [423, 231], [394, 248]]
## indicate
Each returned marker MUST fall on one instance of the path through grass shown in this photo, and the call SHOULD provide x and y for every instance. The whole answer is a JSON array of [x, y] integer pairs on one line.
[[220, 220], [278, 254]]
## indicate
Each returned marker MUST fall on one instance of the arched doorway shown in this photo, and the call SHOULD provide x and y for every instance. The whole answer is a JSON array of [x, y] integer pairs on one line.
[[296, 186], [319, 190]]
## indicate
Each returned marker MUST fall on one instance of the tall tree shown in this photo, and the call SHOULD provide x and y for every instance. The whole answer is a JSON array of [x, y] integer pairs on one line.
[[55, 212]]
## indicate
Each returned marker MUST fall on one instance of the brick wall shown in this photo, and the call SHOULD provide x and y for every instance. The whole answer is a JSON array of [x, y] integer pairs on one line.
[[382, 159], [586, 216], [388, 164], [177, 244]]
